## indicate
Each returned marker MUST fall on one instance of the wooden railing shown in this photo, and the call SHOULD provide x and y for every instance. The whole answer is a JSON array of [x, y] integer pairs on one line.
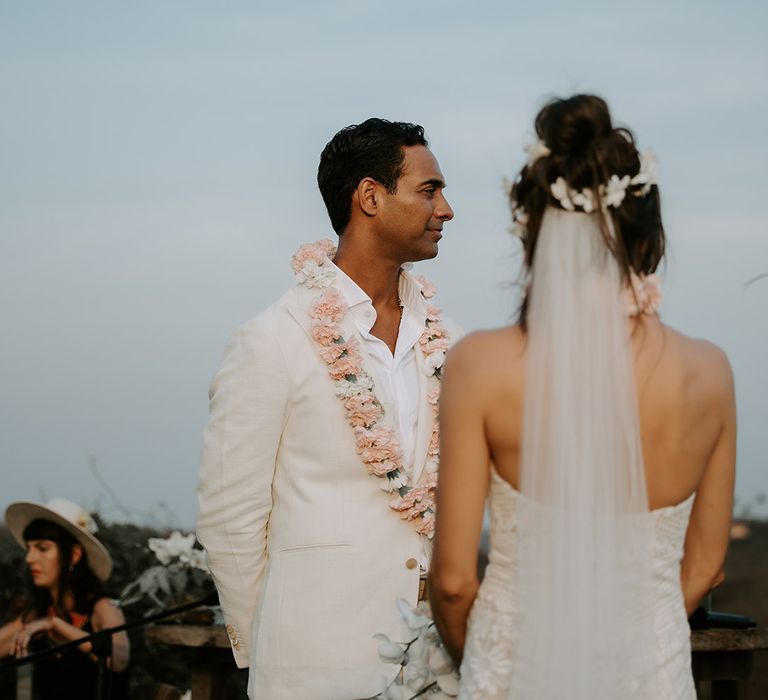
[[722, 659]]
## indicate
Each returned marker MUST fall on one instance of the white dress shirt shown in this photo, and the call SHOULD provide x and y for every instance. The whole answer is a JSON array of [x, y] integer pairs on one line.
[[395, 376]]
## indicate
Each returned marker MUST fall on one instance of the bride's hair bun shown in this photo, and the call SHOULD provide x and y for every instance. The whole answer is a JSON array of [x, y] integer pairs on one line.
[[585, 147], [572, 127], [580, 145]]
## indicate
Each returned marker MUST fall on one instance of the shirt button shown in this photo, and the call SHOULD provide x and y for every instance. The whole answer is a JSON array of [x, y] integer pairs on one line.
[[411, 563]]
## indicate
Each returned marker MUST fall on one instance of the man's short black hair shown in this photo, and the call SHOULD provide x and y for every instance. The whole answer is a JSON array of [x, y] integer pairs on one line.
[[372, 149]]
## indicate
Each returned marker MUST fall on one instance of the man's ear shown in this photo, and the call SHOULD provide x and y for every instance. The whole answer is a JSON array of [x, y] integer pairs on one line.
[[365, 195], [77, 554]]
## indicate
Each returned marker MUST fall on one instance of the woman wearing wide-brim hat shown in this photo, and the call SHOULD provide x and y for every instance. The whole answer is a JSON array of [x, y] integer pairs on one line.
[[67, 567]]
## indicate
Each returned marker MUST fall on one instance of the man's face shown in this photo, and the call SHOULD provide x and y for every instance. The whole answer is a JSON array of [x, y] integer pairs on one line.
[[411, 220]]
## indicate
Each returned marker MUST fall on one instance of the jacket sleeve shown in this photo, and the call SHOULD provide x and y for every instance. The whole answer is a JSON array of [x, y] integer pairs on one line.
[[248, 407]]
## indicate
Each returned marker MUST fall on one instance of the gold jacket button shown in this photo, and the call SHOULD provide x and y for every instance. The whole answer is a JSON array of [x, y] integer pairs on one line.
[[411, 563]]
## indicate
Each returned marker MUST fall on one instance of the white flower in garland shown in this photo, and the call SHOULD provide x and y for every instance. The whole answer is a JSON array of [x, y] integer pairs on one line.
[[346, 389], [314, 275], [434, 362]]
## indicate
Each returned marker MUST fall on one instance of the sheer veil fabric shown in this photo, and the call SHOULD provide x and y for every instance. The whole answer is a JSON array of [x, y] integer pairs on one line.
[[583, 572]]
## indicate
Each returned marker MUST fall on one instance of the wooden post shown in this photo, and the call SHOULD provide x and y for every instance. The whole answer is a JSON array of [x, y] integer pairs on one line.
[[24, 682]]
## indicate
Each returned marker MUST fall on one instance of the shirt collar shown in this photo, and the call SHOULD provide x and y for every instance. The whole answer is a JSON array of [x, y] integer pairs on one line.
[[361, 306]]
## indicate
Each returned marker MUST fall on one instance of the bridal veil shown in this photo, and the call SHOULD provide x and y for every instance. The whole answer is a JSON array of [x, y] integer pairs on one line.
[[584, 535]]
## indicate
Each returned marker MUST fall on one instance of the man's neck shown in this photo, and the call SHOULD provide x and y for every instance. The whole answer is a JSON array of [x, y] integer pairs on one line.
[[379, 277], [376, 275]]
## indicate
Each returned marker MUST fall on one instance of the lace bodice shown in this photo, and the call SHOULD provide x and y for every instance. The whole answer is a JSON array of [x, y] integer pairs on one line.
[[491, 642]]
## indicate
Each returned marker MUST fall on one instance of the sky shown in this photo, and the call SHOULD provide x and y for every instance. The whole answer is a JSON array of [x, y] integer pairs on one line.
[[157, 170]]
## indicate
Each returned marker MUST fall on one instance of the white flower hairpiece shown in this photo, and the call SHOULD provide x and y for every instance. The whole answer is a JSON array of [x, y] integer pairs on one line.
[[612, 194], [648, 174], [519, 226], [537, 149]]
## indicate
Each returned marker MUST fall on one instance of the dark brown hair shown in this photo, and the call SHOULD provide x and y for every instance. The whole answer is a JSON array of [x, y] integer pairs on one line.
[[586, 150], [77, 578], [371, 149]]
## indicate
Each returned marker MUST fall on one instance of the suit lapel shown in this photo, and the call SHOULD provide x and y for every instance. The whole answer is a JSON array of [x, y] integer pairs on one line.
[[301, 312]]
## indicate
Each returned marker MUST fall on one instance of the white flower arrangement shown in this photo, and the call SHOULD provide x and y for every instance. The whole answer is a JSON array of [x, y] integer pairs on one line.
[[181, 573], [613, 193], [426, 669]]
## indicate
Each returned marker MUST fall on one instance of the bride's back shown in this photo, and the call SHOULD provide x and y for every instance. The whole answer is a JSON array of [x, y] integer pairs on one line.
[[591, 589], [682, 387]]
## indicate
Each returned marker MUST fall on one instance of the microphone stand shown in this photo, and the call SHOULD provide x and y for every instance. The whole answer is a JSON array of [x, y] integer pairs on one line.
[[101, 642]]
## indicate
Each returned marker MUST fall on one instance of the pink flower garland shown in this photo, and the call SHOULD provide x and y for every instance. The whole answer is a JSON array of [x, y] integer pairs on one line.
[[379, 447]]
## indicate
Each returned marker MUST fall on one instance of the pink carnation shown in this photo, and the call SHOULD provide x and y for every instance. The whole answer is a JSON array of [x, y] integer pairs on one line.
[[434, 442], [364, 438], [417, 501], [427, 288], [643, 294], [306, 253], [381, 453], [378, 445], [433, 397], [433, 313], [325, 332], [427, 524], [431, 332], [329, 305], [654, 295], [345, 365], [436, 345], [331, 353], [363, 410], [382, 468]]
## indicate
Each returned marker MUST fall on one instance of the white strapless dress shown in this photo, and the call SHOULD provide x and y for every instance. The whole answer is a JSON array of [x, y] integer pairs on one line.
[[491, 641]]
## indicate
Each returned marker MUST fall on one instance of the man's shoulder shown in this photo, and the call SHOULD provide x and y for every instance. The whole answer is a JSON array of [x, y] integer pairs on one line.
[[276, 321]]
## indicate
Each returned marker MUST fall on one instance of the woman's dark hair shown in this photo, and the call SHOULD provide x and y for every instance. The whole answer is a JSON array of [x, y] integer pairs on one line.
[[77, 578], [372, 149], [586, 150]]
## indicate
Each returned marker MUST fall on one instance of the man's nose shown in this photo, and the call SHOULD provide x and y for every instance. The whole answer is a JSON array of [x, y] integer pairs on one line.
[[444, 210]]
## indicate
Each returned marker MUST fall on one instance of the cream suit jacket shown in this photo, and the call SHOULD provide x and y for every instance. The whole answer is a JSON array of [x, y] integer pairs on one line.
[[306, 554]]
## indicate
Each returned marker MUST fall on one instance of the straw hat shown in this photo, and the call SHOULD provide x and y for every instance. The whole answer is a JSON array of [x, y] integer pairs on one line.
[[70, 516]]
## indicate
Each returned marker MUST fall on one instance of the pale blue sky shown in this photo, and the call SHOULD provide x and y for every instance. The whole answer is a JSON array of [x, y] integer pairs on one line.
[[157, 169]]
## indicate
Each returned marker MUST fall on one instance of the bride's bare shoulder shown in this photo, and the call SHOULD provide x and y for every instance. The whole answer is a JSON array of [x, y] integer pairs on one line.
[[479, 352], [702, 359]]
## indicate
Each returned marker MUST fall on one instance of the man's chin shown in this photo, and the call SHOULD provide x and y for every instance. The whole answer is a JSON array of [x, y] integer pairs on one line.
[[426, 254]]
